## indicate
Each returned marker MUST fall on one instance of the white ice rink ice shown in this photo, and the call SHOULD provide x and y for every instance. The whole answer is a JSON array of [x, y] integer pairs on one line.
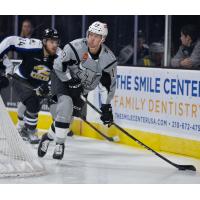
[[93, 161]]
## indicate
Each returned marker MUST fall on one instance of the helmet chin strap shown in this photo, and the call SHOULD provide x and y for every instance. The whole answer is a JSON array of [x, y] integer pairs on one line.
[[102, 40], [45, 48]]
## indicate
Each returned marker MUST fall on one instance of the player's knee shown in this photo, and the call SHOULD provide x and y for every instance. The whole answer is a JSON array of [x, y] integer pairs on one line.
[[52, 110], [64, 109], [32, 104], [21, 108], [51, 131]]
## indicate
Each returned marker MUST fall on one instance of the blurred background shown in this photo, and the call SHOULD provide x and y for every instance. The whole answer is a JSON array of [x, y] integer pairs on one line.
[[132, 38]]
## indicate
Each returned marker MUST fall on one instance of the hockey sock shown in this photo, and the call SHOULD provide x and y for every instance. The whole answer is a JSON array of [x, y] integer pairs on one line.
[[61, 129], [51, 132], [31, 120]]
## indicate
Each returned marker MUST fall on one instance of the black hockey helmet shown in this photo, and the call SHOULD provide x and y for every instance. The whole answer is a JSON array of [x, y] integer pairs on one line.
[[50, 33]]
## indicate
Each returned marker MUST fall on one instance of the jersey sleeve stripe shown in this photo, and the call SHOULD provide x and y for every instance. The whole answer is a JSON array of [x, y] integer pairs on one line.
[[110, 64], [75, 52], [18, 49]]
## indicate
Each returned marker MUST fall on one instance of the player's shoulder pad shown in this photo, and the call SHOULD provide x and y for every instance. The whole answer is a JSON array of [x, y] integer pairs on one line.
[[58, 51], [79, 43], [109, 58], [108, 53], [77, 47]]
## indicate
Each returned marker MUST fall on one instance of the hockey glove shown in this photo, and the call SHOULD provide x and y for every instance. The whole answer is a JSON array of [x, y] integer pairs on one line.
[[42, 90], [4, 82], [106, 116], [74, 87]]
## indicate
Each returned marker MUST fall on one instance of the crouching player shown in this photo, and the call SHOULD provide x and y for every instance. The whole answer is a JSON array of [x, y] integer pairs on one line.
[[83, 64]]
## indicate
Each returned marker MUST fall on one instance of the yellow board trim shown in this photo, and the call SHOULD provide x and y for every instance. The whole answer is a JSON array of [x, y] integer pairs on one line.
[[157, 142]]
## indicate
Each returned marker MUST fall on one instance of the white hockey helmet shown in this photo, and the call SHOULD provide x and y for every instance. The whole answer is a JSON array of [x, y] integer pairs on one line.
[[98, 28]]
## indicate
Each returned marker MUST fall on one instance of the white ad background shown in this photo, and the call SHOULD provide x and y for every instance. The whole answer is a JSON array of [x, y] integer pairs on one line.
[[159, 112]]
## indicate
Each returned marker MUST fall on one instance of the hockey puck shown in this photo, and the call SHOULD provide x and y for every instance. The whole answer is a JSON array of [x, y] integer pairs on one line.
[[116, 139]]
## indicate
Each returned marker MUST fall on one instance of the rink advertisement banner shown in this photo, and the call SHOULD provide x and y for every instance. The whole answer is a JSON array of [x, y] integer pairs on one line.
[[159, 100]]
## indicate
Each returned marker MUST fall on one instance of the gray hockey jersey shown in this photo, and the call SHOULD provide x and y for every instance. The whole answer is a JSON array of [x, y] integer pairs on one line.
[[76, 62]]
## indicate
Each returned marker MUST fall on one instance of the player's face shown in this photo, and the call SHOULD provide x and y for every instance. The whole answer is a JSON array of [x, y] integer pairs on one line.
[[186, 40], [94, 40], [51, 46]]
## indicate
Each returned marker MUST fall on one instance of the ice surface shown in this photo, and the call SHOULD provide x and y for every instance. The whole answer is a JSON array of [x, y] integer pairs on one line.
[[93, 161]]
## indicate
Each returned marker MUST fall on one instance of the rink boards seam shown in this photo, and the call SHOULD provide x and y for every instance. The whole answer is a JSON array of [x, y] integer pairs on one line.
[[158, 142]]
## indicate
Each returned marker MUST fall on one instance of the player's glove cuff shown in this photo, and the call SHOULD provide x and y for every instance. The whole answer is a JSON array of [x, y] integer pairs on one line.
[[42, 90], [74, 87], [106, 116]]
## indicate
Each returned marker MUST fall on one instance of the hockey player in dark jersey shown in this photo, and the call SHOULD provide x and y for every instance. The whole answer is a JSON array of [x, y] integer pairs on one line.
[[37, 62], [83, 65]]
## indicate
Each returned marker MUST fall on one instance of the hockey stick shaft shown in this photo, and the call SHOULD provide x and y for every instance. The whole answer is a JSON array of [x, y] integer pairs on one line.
[[180, 167], [111, 139], [11, 76]]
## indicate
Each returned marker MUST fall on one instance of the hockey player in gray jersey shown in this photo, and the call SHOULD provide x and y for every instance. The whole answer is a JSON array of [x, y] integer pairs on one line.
[[83, 64]]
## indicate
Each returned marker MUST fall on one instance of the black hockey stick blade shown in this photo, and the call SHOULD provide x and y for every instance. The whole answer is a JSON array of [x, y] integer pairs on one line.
[[185, 167], [110, 139]]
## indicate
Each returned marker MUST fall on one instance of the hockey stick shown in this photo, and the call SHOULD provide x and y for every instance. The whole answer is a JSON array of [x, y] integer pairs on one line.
[[180, 167], [111, 139], [11, 76]]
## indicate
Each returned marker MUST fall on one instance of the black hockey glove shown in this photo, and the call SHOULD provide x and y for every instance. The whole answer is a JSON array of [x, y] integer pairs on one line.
[[42, 90], [74, 87], [4, 82], [107, 116]]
